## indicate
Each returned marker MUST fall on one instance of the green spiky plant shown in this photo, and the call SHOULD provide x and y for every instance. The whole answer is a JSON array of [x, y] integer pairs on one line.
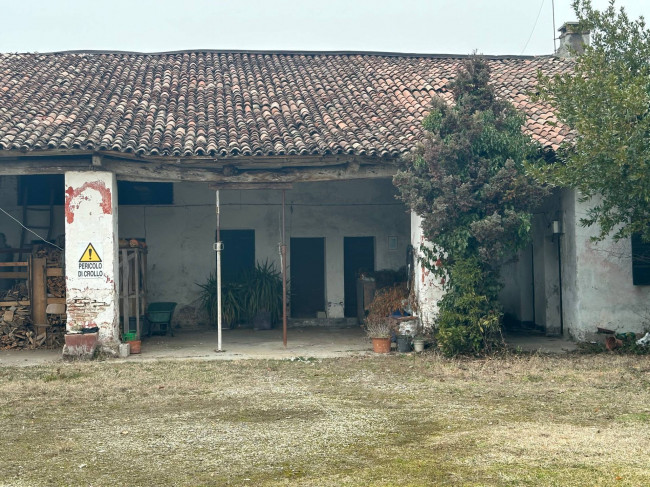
[[264, 283], [256, 290], [232, 301]]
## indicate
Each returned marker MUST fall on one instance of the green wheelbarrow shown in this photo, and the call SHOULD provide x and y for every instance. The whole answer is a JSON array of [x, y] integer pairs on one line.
[[161, 314]]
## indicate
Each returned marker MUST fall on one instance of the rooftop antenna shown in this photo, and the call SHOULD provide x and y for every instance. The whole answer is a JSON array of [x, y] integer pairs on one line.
[[554, 31]]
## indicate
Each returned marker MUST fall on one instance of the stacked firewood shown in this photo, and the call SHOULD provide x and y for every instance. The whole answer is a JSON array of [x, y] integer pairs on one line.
[[53, 255], [18, 332], [16, 328], [17, 293], [23, 336], [56, 287]]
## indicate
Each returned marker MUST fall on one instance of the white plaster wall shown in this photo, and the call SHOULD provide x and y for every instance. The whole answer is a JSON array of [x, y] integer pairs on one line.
[[605, 294], [91, 218], [428, 287], [180, 236]]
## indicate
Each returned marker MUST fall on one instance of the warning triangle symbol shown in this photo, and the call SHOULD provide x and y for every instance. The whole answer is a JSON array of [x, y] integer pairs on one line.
[[90, 255]]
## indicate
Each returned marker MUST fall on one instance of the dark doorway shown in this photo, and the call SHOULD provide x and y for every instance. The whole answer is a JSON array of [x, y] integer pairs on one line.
[[358, 256], [238, 253], [307, 277]]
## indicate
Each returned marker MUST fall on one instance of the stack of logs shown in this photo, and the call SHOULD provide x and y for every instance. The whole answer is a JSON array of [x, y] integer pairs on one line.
[[54, 258], [16, 328]]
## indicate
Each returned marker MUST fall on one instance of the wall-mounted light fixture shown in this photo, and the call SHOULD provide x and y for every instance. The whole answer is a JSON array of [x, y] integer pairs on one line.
[[557, 228]]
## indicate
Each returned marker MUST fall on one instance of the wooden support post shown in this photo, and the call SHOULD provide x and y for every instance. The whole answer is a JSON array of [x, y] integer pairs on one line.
[[38, 294], [124, 288], [136, 279]]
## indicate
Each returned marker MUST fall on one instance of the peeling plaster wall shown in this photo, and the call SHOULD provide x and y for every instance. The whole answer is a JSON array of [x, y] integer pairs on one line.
[[428, 287], [92, 288], [605, 294], [596, 281], [180, 236]]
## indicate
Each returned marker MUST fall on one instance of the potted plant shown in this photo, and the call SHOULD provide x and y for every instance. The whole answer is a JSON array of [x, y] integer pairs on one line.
[[403, 343], [379, 324], [264, 297], [232, 301], [418, 342], [379, 330], [418, 334], [255, 295]]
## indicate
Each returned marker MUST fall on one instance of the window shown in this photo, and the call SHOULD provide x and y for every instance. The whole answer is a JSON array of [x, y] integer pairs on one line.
[[46, 189], [41, 190], [129, 193], [640, 261]]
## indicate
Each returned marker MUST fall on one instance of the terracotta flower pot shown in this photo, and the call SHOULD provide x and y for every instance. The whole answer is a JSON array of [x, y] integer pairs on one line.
[[612, 343], [135, 346], [381, 345]]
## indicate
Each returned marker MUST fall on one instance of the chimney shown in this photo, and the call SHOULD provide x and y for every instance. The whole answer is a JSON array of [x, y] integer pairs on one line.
[[572, 40]]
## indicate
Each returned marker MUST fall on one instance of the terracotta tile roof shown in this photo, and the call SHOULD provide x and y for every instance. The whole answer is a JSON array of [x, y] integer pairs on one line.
[[223, 104]]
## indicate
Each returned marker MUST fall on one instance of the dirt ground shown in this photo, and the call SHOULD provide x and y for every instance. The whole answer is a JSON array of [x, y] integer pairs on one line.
[[246, 343], [569, 420]]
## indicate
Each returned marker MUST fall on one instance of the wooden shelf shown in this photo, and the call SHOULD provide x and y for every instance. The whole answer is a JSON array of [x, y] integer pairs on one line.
[[54, 272]]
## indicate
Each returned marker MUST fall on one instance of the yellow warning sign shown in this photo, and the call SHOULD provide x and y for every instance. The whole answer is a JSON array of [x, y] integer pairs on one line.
[[90, 255]]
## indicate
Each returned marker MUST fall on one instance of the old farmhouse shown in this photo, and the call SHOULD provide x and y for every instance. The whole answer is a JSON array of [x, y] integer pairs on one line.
[[132, 146]]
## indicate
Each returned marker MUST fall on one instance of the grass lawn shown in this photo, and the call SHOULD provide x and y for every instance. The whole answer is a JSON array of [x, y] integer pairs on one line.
[[397, 420]]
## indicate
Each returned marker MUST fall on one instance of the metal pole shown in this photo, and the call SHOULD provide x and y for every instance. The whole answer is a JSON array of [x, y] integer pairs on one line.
[[284, 278], [559, 273], [218, 248], [554, 31]]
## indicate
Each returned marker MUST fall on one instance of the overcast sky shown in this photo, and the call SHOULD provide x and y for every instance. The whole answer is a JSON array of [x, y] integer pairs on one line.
[[421, 26]]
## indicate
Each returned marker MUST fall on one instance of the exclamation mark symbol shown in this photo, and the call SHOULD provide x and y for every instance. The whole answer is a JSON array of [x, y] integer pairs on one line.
[[90, 254]]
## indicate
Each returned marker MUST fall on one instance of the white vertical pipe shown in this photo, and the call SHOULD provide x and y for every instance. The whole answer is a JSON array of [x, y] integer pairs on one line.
[[218, 249]]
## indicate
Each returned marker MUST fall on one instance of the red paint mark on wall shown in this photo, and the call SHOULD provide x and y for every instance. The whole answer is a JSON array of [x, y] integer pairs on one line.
[[72, 193]]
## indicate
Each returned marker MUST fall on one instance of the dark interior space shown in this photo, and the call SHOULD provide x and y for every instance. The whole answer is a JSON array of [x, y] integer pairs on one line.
[[238, 253], [358, 257], [307, 277]]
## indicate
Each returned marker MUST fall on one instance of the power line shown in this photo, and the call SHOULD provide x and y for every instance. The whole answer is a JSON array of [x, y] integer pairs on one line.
[[532, 31], [30, 230]]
